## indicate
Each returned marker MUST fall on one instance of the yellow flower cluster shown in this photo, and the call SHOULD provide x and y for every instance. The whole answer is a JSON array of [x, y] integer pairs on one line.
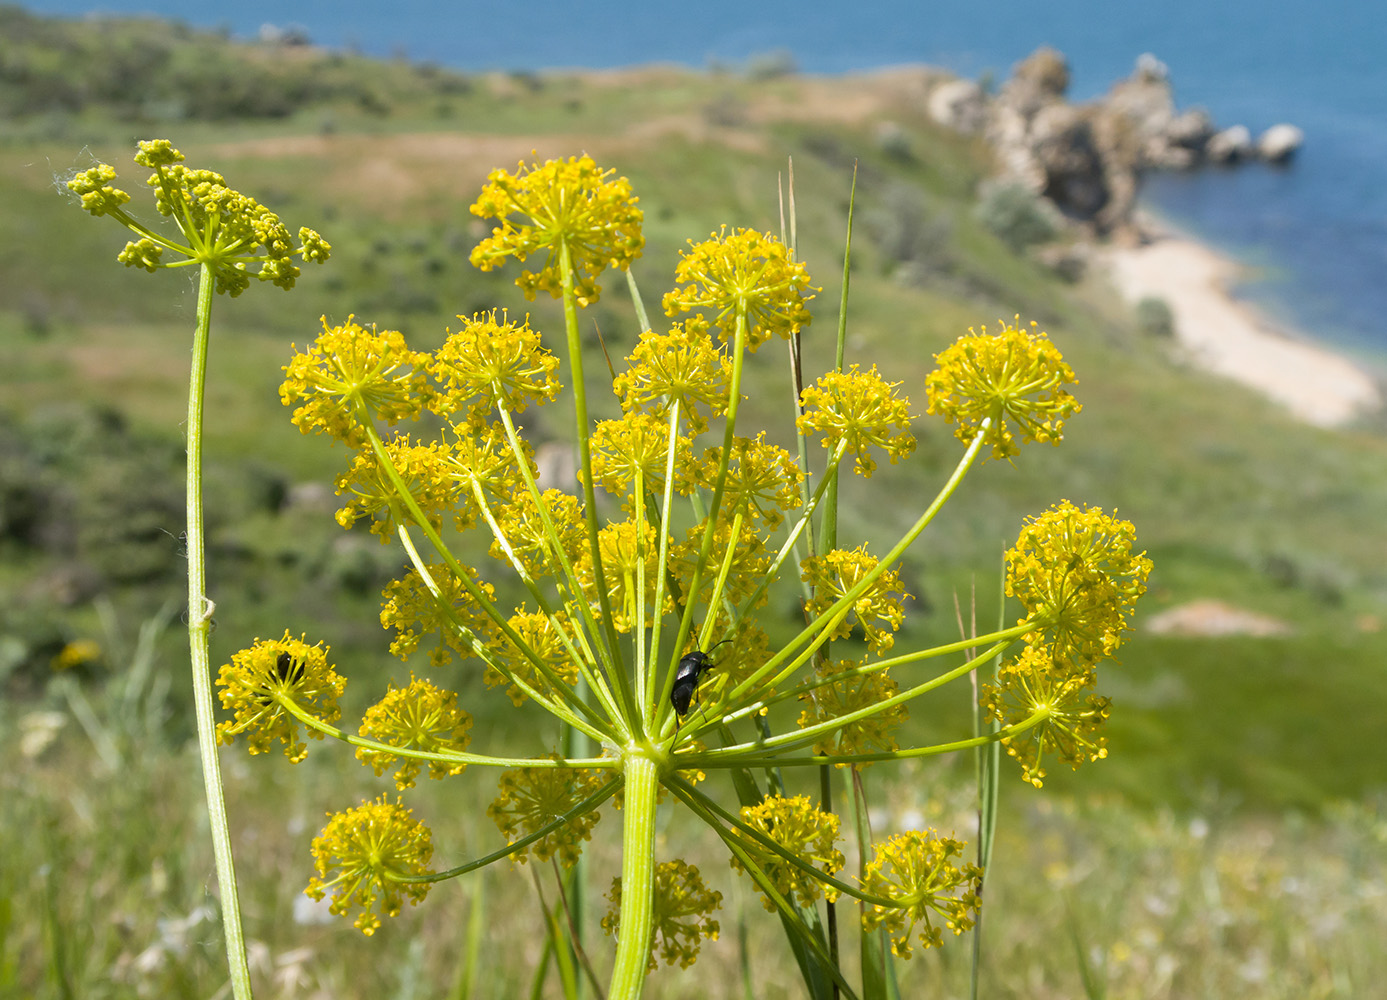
[[225, 229], [530, 798], [260, 684], [846, 688], [683, 367], [878, 610], [1012, 377], [857, 409], [487, 364], [419, 717], [681, 918], [804, 830], [361, 854], [572, 207], [744, 273], [916, 872]]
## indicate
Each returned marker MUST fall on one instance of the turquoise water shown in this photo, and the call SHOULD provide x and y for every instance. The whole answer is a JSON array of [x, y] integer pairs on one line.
[[1317, 230]]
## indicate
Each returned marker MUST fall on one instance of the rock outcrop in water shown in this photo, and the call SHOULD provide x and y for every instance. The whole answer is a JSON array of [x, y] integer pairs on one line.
[[1087, 159]]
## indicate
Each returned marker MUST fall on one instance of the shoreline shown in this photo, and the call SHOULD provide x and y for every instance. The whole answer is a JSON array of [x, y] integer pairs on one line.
[[1222, 334]]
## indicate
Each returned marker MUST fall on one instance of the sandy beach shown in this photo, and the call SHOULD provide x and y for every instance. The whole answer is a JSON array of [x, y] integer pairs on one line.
[[1231, 338]]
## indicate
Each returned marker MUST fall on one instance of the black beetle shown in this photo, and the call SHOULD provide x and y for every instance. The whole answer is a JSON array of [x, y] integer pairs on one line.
[[686, 678]]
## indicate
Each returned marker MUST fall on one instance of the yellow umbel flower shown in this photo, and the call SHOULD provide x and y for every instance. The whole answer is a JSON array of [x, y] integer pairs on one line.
[[567, 203], [879, 611], [848, 691], [418, 717], [681, 909], [349, 373], [522, 523], [1032, 683], [681, 366], [539, 634], [260, 682], [915, 869], [453, 616], [1076, 574], [530, 798], [360, 854], [232, 233], [762, 480], [635, 441], [751, 560], [486, 364], [859, 408], [621, 553], [746, 273], [1012, 377], [803, 829], [422, 468]]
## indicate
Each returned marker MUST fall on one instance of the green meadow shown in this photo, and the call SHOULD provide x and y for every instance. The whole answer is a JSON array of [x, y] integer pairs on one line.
[[1232, 843]]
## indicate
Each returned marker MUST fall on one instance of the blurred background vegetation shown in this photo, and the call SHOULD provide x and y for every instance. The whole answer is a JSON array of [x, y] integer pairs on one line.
[[1231, 845]]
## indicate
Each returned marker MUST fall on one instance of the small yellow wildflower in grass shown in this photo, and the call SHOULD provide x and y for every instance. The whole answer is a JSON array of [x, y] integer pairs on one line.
[[362, 852], [569, 203], [746, 274], [847, 690], [350, 373], [530, 798], [878, 611], [916, 872], [1076, 575], [1035, 682], [682, 366], [681, 913], [1013, 377], [260, 681], [804, 830], [421, 717], [859, 409]]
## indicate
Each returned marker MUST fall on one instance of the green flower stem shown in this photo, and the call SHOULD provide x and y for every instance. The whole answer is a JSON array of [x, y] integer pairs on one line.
[[586, 805], [752, 867], [642, 320], [582, 659], [710, 528], [637, 875], [652, 703], [490, 659], [584, 606], [744, 757], [459, 571], [807, 735], [830, 518], [802, 525], [445, 756], [584, 433], [815, 632], [199, 630]]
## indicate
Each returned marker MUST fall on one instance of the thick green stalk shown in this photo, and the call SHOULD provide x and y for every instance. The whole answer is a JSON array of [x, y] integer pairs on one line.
[[637, 876], [199, 629]]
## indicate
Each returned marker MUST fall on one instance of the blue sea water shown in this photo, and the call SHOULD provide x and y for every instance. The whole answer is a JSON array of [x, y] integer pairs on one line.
[[1316, 231]]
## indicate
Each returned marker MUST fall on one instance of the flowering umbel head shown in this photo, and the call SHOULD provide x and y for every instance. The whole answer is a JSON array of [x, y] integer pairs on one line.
[[682, 913], [565, 204], [232, 233], [361, 854], [803, 830], [259, 685], [1076, 574], [916, 871], [746, 275], [419, 717], [530, 798], [1012, 377]]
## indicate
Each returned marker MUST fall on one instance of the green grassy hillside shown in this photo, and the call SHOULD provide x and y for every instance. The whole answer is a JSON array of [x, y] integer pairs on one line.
[[1232, 498]]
